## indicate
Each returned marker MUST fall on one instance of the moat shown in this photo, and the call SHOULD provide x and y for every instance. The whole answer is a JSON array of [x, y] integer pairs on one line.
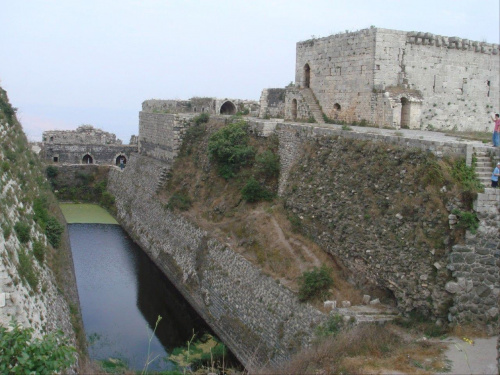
[[122, 293]]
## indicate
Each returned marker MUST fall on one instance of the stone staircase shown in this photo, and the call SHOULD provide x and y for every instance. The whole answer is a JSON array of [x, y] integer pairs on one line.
[[487, 204], [162, 180], [313, 105], [367, 314], [484, 167]]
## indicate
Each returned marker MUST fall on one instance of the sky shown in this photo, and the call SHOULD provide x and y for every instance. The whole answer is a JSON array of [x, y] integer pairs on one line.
[[66, 63]]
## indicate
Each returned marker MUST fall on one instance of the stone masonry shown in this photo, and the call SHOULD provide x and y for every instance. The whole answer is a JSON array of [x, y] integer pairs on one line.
[[397, 79], [85, 145], [261, 321]]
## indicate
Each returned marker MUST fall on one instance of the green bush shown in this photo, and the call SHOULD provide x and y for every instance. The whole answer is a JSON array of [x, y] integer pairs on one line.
[[20, 353], [466, 176], [229, 148], [268, 163], [180, 200], [331, 327], [39, 251], [23, 231], [52, 171], [254, 192], [26, 269], [201, 119], [467, 220], [315, 283], [53, 231]]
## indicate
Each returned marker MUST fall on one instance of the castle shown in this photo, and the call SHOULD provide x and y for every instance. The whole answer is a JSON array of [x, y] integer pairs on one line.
[[391, 79], [378, 77]]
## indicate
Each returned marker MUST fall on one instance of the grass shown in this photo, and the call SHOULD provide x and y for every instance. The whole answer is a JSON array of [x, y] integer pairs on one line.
[[367, 349]]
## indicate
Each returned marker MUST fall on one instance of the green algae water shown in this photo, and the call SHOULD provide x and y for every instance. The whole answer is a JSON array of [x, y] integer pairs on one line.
[[86, 213], [122, 293]]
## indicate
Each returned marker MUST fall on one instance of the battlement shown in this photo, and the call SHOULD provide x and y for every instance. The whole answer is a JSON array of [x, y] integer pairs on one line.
[[84, 134], [411, 37]]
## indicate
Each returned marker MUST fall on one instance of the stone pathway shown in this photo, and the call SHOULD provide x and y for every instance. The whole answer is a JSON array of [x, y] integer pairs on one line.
[[479, 358]]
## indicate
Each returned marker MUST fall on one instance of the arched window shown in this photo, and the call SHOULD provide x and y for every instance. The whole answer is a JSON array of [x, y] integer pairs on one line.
[[87, 159], [228, 108], [121, 159]]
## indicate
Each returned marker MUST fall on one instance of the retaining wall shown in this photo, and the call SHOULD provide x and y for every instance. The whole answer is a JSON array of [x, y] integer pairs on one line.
[[260, 320]]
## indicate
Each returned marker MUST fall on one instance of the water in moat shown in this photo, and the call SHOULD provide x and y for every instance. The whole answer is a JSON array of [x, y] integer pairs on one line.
[[122, 293]]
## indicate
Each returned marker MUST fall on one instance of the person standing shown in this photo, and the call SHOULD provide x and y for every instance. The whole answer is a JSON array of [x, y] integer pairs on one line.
[[496, 130], [494, 176]]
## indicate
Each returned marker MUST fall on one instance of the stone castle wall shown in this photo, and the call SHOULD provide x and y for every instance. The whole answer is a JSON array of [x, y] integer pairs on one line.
[[85, 145], [260, 320], [196, 105], [272, 103], [447, 82], [75, 153], [160, 134]]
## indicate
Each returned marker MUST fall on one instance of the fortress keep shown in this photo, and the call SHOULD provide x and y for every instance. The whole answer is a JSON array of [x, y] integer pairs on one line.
[[392, 79]]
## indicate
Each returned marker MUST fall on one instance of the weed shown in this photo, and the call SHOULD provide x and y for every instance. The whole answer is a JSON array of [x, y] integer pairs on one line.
[[26, 270], [39, 251], [467, 220], [346, 127], [331, 327]]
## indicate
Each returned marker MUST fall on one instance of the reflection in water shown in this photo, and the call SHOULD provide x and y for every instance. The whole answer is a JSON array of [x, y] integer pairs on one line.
[[122, 292]]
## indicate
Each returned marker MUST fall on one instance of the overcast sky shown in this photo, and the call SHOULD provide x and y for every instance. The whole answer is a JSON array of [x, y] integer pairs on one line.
[[65, 63]]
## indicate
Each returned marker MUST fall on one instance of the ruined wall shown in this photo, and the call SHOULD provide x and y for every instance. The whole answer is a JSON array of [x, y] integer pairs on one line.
[[85, 145], [196, 105], [84, 134], [160, 134], [272, 103], [260, 320], [75, 153]]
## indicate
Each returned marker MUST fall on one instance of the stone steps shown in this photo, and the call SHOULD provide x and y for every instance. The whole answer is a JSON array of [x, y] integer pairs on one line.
[[367, 314], [314, 108], [162, 180]]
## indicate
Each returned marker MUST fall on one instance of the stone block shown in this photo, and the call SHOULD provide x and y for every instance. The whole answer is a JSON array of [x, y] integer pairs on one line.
[[376, 301], [330, 305], [366, 299], [346, 304]]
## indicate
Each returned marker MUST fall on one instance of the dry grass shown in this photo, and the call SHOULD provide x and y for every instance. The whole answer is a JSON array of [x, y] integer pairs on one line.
[[261, 232], [367, 349]]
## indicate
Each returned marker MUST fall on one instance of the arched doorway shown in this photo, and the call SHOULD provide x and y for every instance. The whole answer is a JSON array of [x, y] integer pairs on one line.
[[307, 75], [87, 159], [405, 113], [294, 109], [228, 108], [121, 158]]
